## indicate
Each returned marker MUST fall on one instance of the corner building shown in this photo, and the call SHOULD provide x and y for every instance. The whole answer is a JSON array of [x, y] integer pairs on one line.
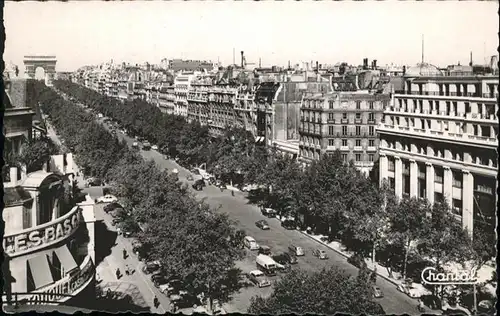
[[439, 140]]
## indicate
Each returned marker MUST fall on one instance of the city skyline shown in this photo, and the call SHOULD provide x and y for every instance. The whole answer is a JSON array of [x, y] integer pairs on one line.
[[91, 33]]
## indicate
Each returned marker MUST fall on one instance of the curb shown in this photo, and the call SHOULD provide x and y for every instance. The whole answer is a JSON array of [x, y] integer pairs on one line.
[[346, 256]]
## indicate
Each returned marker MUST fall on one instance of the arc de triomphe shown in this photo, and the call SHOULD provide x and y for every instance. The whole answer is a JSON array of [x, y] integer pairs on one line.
[[48, 63]]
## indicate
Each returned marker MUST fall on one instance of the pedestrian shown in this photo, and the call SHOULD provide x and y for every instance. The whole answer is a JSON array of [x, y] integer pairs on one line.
[[118, 273], [125, 254], [108, 293], [156, 302], [127, 270]]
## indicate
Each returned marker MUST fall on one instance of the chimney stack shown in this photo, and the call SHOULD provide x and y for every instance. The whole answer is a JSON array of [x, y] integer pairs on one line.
[[470, 63], [242, 59], [365, 63], [13, 176], [374, 64], [289, 65], [317, 66]]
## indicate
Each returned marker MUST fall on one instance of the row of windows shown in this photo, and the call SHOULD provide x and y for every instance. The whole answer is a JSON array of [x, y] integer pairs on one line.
[[371, 130], [344, 142], [316, 104]]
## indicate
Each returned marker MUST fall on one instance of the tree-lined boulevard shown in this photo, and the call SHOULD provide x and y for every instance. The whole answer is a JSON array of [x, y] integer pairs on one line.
[[329, 196]]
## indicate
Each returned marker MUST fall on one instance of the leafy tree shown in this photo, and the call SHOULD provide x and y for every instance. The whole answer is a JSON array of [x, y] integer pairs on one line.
[[326, 292], [36, 153], [409, 221]]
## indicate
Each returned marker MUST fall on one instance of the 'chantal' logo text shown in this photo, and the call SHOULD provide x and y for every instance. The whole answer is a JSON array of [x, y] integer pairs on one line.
[[431, 276]]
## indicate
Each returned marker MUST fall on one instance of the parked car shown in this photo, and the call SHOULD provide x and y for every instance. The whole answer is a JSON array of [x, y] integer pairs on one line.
[[296, 250], [199, 185], [267, 211], [357, 260], [158, 278], [154, 147], [135, 145], [151, 267], [265, 250], [184, 300], [250, 243], [258, 278], [377, 292], [94, 182], [108, 198], [289, 224], [262, 224], [110, 207], [285, 258], [321, 254], [115, 221]]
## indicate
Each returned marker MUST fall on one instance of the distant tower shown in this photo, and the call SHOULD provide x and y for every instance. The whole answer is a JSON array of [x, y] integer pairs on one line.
[[422, 48]]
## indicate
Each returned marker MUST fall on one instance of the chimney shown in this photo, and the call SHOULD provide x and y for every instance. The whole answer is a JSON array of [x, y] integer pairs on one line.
[[404, 70], [242, 59], [289, 65], [317, 66], [13, 176], [374, 64], [470, 63]]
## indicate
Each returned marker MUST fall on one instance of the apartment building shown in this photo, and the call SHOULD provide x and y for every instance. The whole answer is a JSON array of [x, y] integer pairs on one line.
[[438, 139], [343, 120], [182, 84], [166, 98]]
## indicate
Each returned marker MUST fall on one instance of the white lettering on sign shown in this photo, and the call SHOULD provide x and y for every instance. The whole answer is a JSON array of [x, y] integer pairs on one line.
[[38, 237]]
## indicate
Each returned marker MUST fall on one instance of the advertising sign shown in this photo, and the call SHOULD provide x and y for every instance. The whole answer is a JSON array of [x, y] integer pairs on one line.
[[62, 289], [43, 235]]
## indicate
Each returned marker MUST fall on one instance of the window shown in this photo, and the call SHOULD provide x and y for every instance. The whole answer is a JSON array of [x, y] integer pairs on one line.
[[331, 116], [390, 166], [344, 130], [358, 142], [438, 176], [330, 104], [344, 116], [371, 143], [371, 157], [371, 130], [358, 157], [331, 142], [344, 157], [371, 105], [358, 115], [344, 142], [330, 130], [371, 117], [457, 179], [358, 105], [358, 130]]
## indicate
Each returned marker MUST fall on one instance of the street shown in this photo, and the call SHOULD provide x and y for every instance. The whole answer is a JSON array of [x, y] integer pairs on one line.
[[245, 215]]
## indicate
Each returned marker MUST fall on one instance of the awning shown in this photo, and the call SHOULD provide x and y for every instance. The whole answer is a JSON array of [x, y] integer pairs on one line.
[[40, 271], [68, 263]]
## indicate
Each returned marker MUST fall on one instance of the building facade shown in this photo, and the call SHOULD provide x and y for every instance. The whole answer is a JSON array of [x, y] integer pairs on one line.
[[48, 241], [345, 121], [182, 85], [439, 140]]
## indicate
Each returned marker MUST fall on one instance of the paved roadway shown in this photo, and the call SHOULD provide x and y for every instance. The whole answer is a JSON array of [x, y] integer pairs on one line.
[[245, 215], [278, 239]]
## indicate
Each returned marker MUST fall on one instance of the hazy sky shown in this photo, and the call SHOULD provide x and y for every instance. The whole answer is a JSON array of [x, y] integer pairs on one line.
[[82, 33]]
